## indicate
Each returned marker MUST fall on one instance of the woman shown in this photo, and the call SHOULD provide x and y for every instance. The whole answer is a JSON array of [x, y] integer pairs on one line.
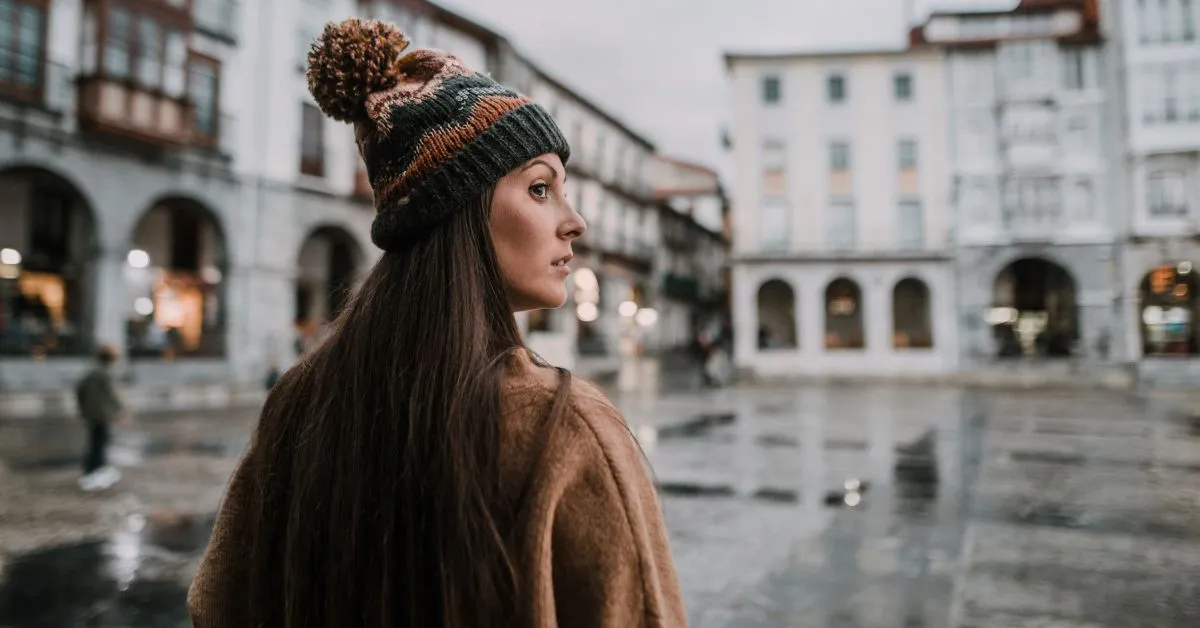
[[419, 468]]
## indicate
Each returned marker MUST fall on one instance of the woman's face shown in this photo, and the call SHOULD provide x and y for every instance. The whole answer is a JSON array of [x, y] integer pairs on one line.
[[533, 226]]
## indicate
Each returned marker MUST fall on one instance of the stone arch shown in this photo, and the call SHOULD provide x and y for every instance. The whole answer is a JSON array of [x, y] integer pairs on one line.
[[1034, 309], [176, 273], [1168, 310], [48, 243], [912, 318], [328, 266], [776, 313], [844, 320]]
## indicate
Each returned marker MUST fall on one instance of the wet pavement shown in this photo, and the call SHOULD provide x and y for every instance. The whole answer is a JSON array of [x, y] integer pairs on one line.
[[823, 506]]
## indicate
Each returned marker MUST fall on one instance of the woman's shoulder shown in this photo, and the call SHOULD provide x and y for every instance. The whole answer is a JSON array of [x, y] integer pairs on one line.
[[530, 389]]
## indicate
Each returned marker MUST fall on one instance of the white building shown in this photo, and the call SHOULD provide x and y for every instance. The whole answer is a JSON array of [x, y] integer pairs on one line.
[[1032, 132], [1158, 63], [841, 218], [120, 199]]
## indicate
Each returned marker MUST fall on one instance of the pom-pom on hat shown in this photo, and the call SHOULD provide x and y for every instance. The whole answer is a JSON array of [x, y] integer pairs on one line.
[[433, 133]]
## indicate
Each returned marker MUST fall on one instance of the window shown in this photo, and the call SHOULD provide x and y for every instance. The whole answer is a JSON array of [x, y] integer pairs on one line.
[[1170, 101], [118, 44], [173, 72], [839, 156], [312, 142], [1032, 200], [22, 47], [1074, 69], [1078, 141], [203, 80], [774, 226], [774, 168], [1187, 20], [902, 87], [1166, 194], [772, 90], [906, 151], [837, 88], [145, 48], [1081, 200], [912, 224], [150, 53], [840, 229], [1164, 19]]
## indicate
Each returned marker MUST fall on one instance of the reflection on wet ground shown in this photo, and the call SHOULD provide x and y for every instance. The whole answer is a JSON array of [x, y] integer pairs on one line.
[[824, 507], [124, 580]]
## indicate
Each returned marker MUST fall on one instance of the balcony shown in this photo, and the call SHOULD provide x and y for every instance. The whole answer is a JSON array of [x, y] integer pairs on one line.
[[142, 82], [121, 107], [217, 18], [1023, 225]]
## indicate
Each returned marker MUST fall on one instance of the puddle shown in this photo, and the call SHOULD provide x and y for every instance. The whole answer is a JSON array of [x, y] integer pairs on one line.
[[133, 578], [697, 426], [1050, 457], [128, 450], [766, 493], [83, 585], [778, 440], [780, 495], [686, 489], [153, 447]]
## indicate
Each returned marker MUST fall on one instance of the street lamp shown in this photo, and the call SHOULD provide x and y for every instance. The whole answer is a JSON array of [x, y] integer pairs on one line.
[[10, 261], [138, 258]]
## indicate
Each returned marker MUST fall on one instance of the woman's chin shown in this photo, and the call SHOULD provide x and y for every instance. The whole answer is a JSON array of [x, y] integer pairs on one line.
[[548, 300]]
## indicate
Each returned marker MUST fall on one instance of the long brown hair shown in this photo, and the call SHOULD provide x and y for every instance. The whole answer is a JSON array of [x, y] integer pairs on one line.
[[377, 457]]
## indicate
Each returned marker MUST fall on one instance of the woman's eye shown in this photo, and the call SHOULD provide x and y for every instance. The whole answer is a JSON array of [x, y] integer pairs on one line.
[[540, 190]]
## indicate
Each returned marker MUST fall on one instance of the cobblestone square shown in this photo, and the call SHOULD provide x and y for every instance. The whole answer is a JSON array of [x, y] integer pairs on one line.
[[972, 509]]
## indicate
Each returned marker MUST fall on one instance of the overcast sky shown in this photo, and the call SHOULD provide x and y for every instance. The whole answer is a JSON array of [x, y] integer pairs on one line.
[[657, 65]]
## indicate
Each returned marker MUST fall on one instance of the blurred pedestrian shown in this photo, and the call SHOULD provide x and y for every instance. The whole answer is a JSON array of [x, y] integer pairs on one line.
[[272, 377], [99, 406], [420, 466]]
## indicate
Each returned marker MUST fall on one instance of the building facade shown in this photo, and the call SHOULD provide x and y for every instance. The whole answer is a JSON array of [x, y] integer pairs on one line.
[[1033, 134], [119, 191], [1156, 54], [692, 262], [841, 216], [168, 185]]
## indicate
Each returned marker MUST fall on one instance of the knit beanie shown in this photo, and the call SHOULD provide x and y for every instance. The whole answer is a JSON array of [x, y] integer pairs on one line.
[[433, 134]]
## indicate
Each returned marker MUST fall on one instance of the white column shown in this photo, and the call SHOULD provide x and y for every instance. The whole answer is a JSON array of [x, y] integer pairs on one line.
[[878, 321], [745, 317], [811, 311], [112, 303]]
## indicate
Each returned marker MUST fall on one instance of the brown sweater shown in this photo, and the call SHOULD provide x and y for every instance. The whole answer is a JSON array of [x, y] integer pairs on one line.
[[593, 549]]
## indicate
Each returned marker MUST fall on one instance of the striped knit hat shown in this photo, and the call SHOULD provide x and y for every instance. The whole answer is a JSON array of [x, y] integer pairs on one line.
[[433, 134]]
